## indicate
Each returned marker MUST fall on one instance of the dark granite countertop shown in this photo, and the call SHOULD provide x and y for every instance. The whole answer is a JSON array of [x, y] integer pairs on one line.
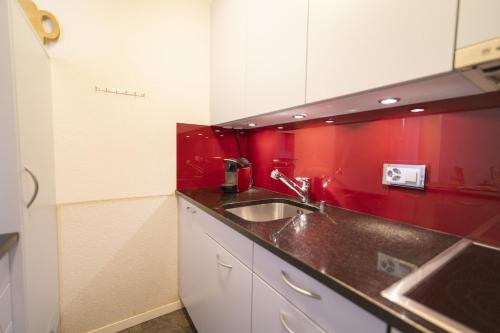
[[7, 241], [342, 249]]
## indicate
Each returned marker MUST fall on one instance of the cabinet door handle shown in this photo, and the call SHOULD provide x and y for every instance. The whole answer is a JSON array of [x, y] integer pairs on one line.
[[285, 324], [191, 210], [35, 181], [222, 263], [298, 289]]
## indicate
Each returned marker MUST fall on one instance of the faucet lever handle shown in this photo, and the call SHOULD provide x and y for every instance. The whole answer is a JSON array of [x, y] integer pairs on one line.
[[275, 174], [303, 180]]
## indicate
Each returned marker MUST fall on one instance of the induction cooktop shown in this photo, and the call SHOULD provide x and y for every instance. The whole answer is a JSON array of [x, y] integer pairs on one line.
[[459, 290]]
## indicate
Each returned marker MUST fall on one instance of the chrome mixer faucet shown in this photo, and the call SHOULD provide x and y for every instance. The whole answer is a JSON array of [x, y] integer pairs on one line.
[[302, 189]]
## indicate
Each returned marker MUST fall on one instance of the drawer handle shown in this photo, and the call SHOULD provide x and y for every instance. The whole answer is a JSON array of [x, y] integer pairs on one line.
[[284, 323], [298, 289], [223, 264], [191, 210]]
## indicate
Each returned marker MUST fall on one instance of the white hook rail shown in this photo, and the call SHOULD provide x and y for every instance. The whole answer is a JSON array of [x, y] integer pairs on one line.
[[117, 91]]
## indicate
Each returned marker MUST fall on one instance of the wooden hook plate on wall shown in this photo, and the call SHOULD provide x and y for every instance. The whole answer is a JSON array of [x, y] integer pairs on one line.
[[37, 18]]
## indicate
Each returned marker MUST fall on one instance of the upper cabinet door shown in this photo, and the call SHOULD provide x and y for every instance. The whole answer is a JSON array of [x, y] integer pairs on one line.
[[276, 55], [228, 47], [478, 21], [356, 45]]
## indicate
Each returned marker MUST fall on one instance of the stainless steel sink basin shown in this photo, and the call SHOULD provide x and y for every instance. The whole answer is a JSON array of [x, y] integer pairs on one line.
[[270, 211]]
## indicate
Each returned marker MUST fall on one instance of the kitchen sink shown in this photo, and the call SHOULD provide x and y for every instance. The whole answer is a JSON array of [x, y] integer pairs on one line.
[[269, 210]]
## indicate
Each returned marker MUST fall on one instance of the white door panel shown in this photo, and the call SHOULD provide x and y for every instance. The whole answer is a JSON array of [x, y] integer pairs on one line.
[[38, 239]]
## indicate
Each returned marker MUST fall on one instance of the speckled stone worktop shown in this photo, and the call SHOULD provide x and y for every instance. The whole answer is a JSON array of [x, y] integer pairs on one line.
[[339, 248]]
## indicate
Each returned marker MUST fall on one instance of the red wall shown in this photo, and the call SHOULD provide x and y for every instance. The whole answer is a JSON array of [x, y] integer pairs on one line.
[[461, 151]]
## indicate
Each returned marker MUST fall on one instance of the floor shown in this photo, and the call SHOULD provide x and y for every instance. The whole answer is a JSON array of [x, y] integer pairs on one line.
[[175, 322]]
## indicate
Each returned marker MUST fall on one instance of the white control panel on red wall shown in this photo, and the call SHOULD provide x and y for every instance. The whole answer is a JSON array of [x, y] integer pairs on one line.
[[406, 175]]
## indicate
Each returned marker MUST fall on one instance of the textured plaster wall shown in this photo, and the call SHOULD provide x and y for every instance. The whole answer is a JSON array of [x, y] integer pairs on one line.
[[115, 155], [119, 259]]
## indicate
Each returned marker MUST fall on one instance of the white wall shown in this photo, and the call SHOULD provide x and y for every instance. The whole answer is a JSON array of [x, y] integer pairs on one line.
[[112, 146], [115, 155]]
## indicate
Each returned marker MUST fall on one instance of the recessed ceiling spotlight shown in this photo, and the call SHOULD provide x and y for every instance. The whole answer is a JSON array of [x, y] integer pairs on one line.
[[329, 121], [280, 127], [389, 100], [217, 130], [415, 110], [221, 135], [252, 124], [200, 134], [299, 116], [188, 136]]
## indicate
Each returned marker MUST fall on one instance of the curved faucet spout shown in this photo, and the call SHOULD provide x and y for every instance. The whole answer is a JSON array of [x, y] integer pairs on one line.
[[302, 190]]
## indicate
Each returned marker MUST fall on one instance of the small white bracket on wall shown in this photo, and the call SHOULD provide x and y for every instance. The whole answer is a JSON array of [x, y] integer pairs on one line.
[[117, 91]]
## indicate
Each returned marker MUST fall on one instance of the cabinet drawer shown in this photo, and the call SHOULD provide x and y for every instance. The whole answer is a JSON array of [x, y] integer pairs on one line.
[[4, 272], [227, 292], [5, 309], [274, 314], [331, 311], [235, 243]]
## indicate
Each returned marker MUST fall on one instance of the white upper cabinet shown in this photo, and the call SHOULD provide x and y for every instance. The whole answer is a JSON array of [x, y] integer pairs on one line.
[[356, 45], [276, 55], [258, 55], [270, 55], [478, 21], [228, 45]]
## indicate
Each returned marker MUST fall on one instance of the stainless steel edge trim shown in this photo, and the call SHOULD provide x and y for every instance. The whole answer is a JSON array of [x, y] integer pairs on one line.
[[37, 187], [284, 323], [492, 247], [402, 286], [284, 276], [395, 292], [434, 317]]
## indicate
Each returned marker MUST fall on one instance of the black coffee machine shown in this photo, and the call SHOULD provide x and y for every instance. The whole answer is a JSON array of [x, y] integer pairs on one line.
[[238, 175]]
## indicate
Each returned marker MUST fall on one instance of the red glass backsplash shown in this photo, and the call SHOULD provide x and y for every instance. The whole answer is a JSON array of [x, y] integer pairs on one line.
[[461, 151], [200, 154]]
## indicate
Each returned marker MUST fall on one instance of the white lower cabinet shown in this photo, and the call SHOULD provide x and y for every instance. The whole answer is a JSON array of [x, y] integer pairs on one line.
[[191, 265], [215, 287], [217, 266], [271, 313], [333, 312], [227, 292]]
